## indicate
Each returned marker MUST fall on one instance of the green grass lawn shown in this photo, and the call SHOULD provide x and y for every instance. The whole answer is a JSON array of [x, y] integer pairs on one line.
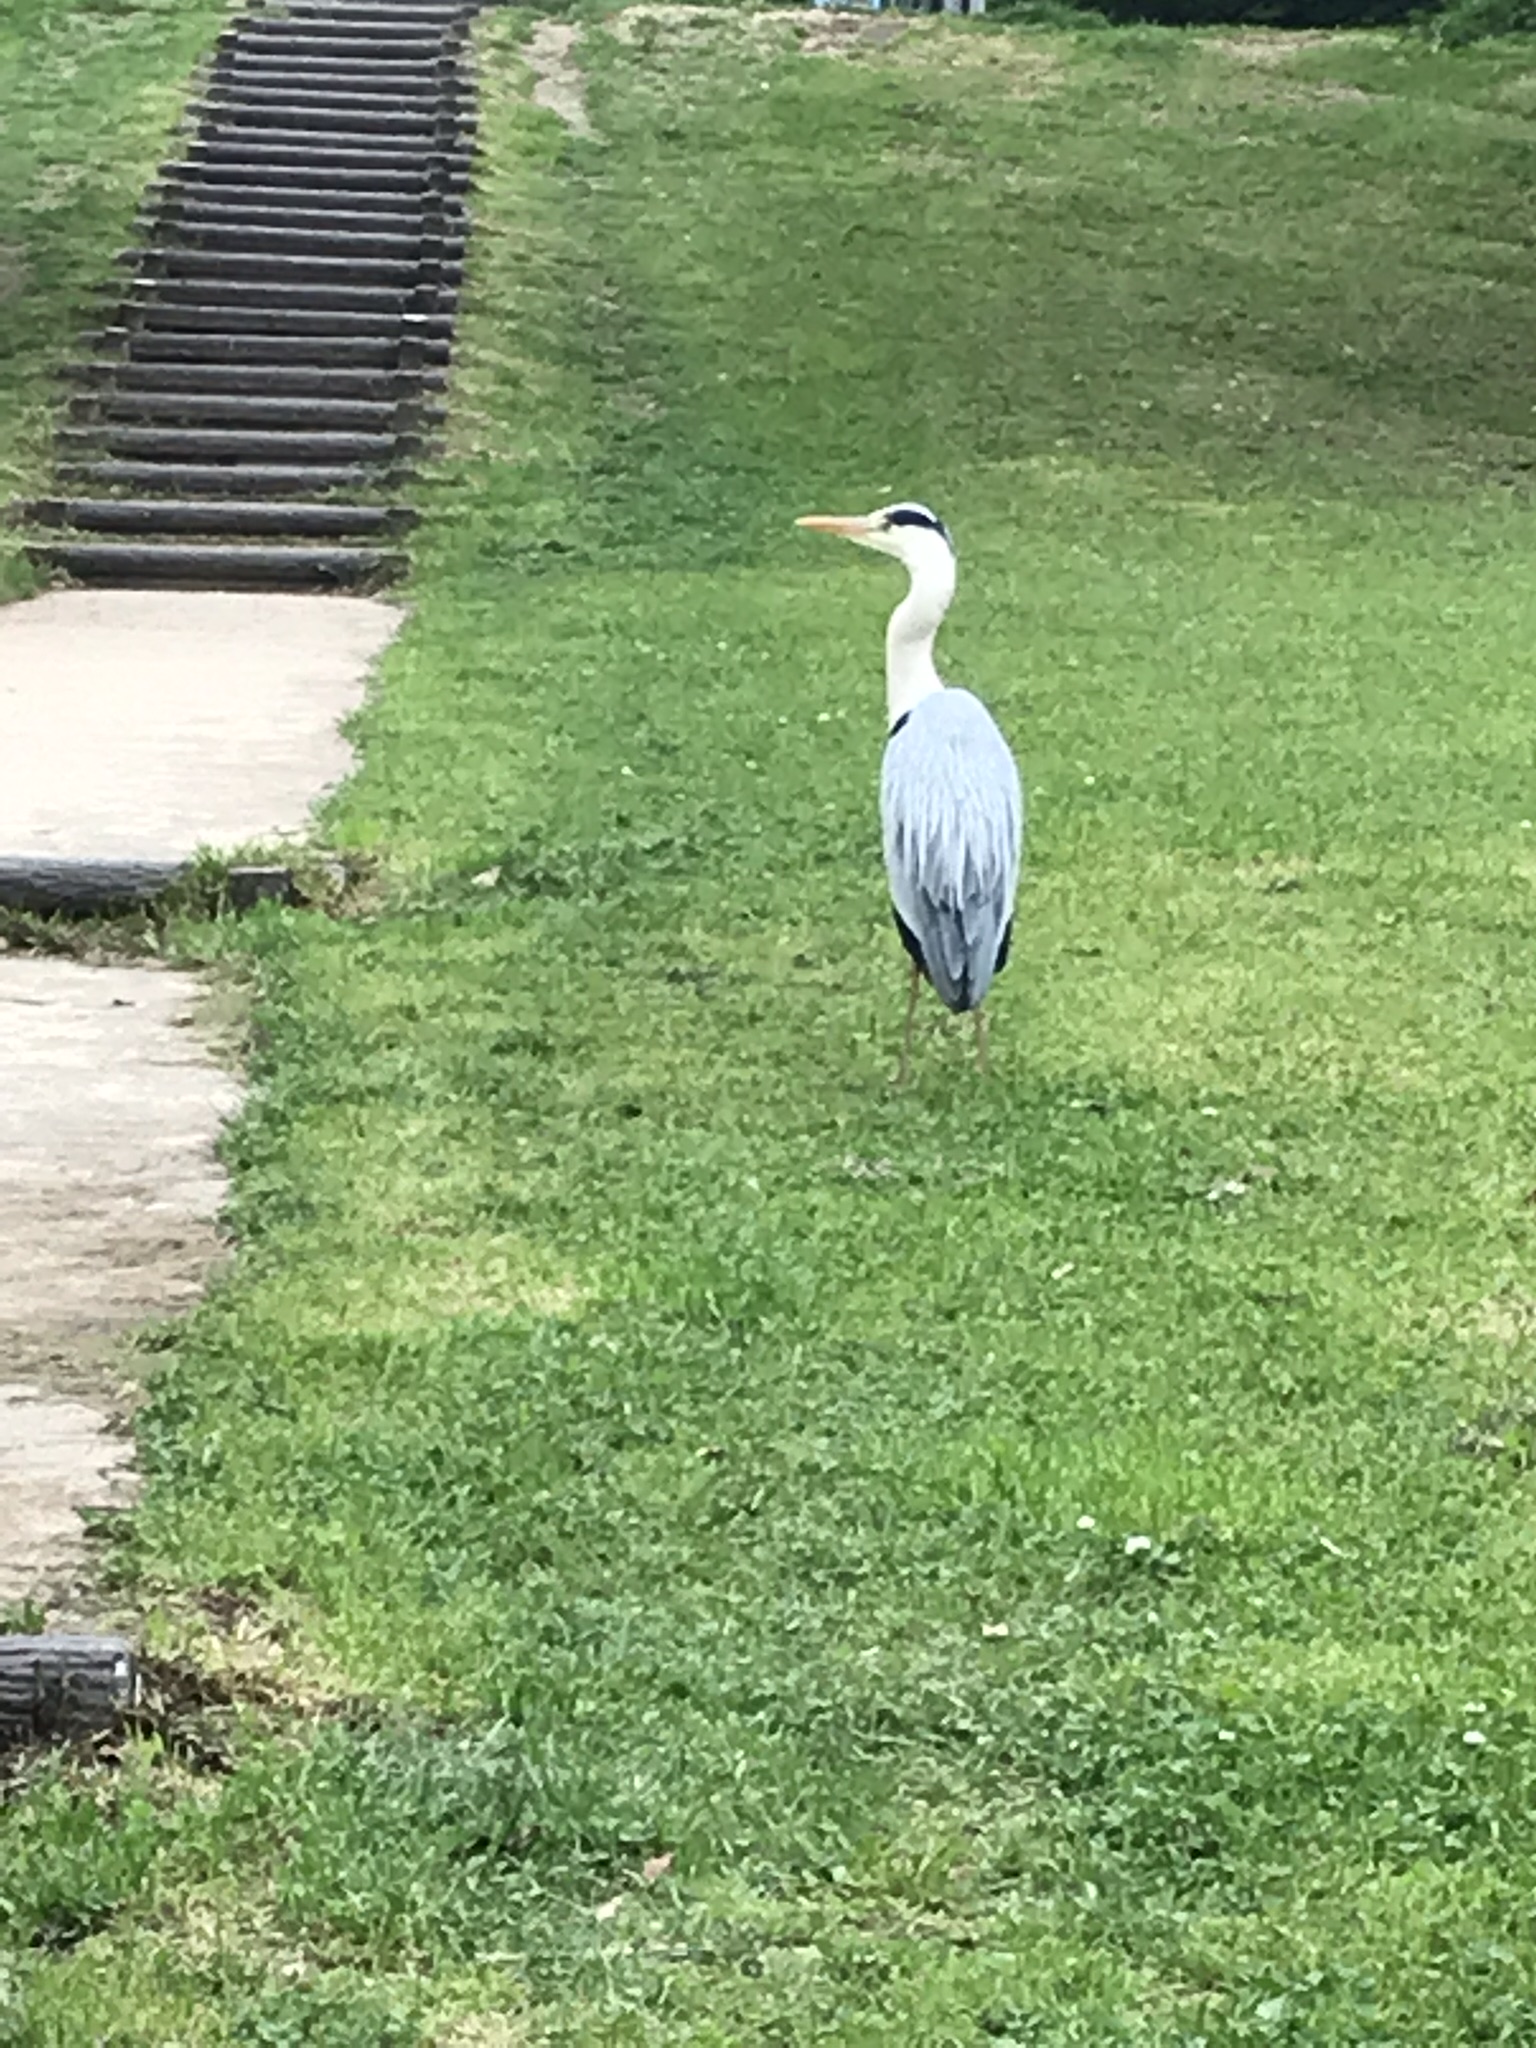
[[1034, 1554], [89, 91]]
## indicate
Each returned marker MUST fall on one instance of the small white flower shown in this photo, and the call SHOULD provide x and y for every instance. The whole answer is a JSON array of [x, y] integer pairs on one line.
[[1474, 1738], [1135, 1544], [1086, 1522]]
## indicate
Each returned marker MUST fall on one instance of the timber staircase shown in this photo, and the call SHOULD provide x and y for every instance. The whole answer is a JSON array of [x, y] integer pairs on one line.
[[250, 412]]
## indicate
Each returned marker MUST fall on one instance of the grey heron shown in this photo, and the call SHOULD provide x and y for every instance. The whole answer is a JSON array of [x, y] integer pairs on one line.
[[951, 806]]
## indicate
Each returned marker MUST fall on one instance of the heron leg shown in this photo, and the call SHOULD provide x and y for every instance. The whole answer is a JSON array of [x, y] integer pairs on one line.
[[903, 1072], [979, 1025]]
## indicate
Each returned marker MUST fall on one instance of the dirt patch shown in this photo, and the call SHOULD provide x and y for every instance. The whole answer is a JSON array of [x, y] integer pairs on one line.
[[142, 725], [109, 1190], [1268, 51], [1270, 45], [828, 34], [650, 20], [558, 84], [1021, 70]]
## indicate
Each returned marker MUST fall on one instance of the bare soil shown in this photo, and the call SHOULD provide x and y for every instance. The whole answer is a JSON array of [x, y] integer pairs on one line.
[[558, 83]]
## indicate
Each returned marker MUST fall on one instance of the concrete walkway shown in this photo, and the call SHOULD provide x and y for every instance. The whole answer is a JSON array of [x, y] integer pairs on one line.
[[141, 726], [109, 1188]]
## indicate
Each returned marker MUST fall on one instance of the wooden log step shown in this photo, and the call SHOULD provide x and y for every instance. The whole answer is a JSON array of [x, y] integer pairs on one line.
[[251, 238], [81, 888], [232, 120], [419, 21], [239, 409], [235, 444], [388, 212], [126, 374], [296, 149], [179, 295], [228, 136], [295, 518], [403, 87], [187, 213], [199, 479], [298, 56], [279, 39], [279, 267], [247, 101], [380, 21], [276, 41], [58, 1688], [396, 84], [209, 163], [285, 320], [304, 352], [175, 566]]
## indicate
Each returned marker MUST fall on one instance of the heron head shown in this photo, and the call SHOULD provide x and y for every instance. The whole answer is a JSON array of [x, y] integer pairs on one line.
[[913, 534]]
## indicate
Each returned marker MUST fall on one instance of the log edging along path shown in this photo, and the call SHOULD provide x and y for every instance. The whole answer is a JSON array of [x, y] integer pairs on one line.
[[247, 417]]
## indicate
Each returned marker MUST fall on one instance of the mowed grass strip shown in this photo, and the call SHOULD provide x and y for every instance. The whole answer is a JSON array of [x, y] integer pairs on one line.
[[1047, 1560]]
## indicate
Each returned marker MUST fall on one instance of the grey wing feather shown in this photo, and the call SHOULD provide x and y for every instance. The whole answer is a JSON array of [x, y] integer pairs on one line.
[[952, 812]]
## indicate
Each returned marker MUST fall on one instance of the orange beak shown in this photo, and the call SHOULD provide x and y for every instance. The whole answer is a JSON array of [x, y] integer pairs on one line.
[[848, 527]]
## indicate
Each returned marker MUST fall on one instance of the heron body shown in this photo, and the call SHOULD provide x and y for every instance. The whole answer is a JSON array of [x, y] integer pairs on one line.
[[951, 804], [951, 810]]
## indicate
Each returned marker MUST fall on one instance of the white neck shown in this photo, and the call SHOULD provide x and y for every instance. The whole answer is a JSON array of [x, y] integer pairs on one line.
[[909, 671]]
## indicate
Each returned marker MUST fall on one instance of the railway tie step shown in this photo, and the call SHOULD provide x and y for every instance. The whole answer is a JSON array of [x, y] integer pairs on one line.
[[262, 266], [262, 381], [242, 409], [245, 240], [395, 230], [221, 296], [201, 380], [189, 567], [233, 516], [206, 479], [385, 213], [242, 349], [235, 444]]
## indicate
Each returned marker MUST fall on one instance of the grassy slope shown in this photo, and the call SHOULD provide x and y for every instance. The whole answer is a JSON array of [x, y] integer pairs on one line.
[[88, 91], [653, 1417]]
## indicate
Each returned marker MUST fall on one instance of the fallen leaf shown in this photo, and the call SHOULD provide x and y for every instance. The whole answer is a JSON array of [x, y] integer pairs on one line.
[[654, 1867]]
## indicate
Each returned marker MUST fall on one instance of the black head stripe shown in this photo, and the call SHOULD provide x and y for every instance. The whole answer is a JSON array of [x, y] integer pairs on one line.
[[916, 515]]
